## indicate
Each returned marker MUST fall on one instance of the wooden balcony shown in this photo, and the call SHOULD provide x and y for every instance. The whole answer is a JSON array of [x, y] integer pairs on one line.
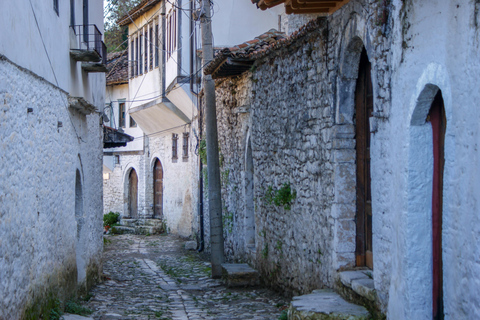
[[88, 48]]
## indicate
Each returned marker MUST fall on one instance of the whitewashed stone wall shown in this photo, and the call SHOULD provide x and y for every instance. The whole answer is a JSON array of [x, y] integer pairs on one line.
[[46, 249], [300, 119], [180, 182]]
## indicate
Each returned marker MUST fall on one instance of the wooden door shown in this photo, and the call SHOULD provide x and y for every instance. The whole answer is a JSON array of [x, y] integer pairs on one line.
[[363, 111], [158, 190], [438, 121], [133, 194]]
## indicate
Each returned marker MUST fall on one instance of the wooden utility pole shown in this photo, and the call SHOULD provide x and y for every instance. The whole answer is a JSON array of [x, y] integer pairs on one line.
[[213, 163]]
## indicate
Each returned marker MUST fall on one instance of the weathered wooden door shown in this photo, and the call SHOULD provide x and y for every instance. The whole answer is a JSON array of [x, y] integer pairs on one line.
[[438, 121], [158, 190], [363, 111], [133, 194]]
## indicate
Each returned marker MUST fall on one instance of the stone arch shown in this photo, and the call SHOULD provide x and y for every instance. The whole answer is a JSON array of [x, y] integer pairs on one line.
[[79, 219], [418, 237], [131, 193], [249, 187], [158, 187], [355, 39]]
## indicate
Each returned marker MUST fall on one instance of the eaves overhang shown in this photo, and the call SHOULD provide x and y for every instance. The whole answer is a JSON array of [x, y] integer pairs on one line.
[[158, 116], [113, 138], [136, 12], [303, 6]]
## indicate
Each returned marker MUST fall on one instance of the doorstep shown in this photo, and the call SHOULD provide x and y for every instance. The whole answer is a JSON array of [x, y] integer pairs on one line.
[[360, 281]]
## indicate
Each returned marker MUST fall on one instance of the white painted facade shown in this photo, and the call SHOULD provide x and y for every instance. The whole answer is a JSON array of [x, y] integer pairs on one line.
[[160, 97], [51, 141]]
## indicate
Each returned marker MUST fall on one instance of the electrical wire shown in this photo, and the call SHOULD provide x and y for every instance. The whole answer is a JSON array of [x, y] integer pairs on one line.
[[53, 71]]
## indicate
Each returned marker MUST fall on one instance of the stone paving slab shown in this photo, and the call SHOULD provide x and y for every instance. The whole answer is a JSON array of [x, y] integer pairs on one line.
[[154, 277], [325, 304]]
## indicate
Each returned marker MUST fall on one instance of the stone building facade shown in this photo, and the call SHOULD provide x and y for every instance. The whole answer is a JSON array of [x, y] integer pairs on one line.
[[50, 160], [293, 119]]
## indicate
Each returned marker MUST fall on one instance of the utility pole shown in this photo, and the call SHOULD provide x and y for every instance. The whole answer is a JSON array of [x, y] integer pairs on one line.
[[213, 163]]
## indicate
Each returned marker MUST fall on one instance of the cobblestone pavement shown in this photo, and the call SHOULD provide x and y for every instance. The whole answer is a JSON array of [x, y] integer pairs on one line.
[[154, 277]]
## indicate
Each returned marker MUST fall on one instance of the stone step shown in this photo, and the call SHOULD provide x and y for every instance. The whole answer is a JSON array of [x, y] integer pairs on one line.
[[158, 223], [239, 275], [145, 230], [360, 281], [325, 304]]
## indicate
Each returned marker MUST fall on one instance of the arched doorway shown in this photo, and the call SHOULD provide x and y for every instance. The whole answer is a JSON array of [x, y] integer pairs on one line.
[[363, 112], [437, 118], [249, 205], [133, 194], [157, 190]]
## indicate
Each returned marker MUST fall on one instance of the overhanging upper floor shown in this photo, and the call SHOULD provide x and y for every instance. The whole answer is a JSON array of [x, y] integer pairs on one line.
[[303, 6]]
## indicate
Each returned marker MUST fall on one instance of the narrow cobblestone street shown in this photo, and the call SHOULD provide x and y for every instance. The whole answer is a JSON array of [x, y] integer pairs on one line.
[[154, 277]]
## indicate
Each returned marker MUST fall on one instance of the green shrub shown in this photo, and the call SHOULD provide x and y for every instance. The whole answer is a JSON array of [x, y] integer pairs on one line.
[[282, 197], [74, 307], [110, 218]]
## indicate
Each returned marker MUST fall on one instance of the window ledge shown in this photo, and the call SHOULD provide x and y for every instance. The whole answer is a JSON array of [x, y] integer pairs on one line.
[[360, 281]]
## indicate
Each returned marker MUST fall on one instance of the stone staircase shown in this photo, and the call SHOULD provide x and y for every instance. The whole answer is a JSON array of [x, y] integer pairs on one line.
[[140, 226]]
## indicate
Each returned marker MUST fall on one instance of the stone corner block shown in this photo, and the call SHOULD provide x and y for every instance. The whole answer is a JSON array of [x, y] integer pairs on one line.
[[191, 245], [239, 275]]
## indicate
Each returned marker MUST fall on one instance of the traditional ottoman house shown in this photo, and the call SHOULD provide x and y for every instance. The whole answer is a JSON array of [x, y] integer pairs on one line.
[[156, 176], [350, 155], [52, 64]]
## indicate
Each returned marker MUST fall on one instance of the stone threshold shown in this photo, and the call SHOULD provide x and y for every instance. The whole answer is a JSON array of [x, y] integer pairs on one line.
[[360, 281], [325, 304]]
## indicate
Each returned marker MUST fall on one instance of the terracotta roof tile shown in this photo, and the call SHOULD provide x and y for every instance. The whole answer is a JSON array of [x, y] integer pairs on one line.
[[117, 66], [264, 45]]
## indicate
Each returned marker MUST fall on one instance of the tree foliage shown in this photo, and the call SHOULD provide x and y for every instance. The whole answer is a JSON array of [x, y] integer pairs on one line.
[[116, 36]]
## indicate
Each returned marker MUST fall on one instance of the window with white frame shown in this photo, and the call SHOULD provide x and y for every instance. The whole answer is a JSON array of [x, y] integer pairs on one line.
[[171, 41]]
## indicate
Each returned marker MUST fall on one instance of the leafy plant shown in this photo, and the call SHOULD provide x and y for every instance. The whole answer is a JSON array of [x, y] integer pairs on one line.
[[265, 251], [75, 308], [110, 219], [202, 151], [282, 197], [283, 315], [56, 311]]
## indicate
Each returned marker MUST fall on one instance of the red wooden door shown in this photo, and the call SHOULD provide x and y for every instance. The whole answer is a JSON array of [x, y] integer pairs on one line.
[[158, 190], [363, 112], [133, 194], [438, 121]]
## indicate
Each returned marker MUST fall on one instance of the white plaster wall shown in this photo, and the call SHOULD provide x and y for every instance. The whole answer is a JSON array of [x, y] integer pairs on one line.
[[235, 22], [38, 163], [28, 50], [115, 95], [440, 41]]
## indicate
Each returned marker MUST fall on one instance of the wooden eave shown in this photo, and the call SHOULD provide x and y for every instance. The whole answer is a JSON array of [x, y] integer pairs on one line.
[[231, 67], [304, 6]]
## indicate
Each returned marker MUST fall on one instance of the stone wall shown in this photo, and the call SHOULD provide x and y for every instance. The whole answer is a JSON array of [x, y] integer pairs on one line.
[[50, 195], [180, 182], [296, 107]]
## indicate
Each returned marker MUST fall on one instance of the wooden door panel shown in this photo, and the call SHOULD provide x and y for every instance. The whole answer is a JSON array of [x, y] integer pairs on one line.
[[438, 122], [158, 189], [133, 194], [363, 112]]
